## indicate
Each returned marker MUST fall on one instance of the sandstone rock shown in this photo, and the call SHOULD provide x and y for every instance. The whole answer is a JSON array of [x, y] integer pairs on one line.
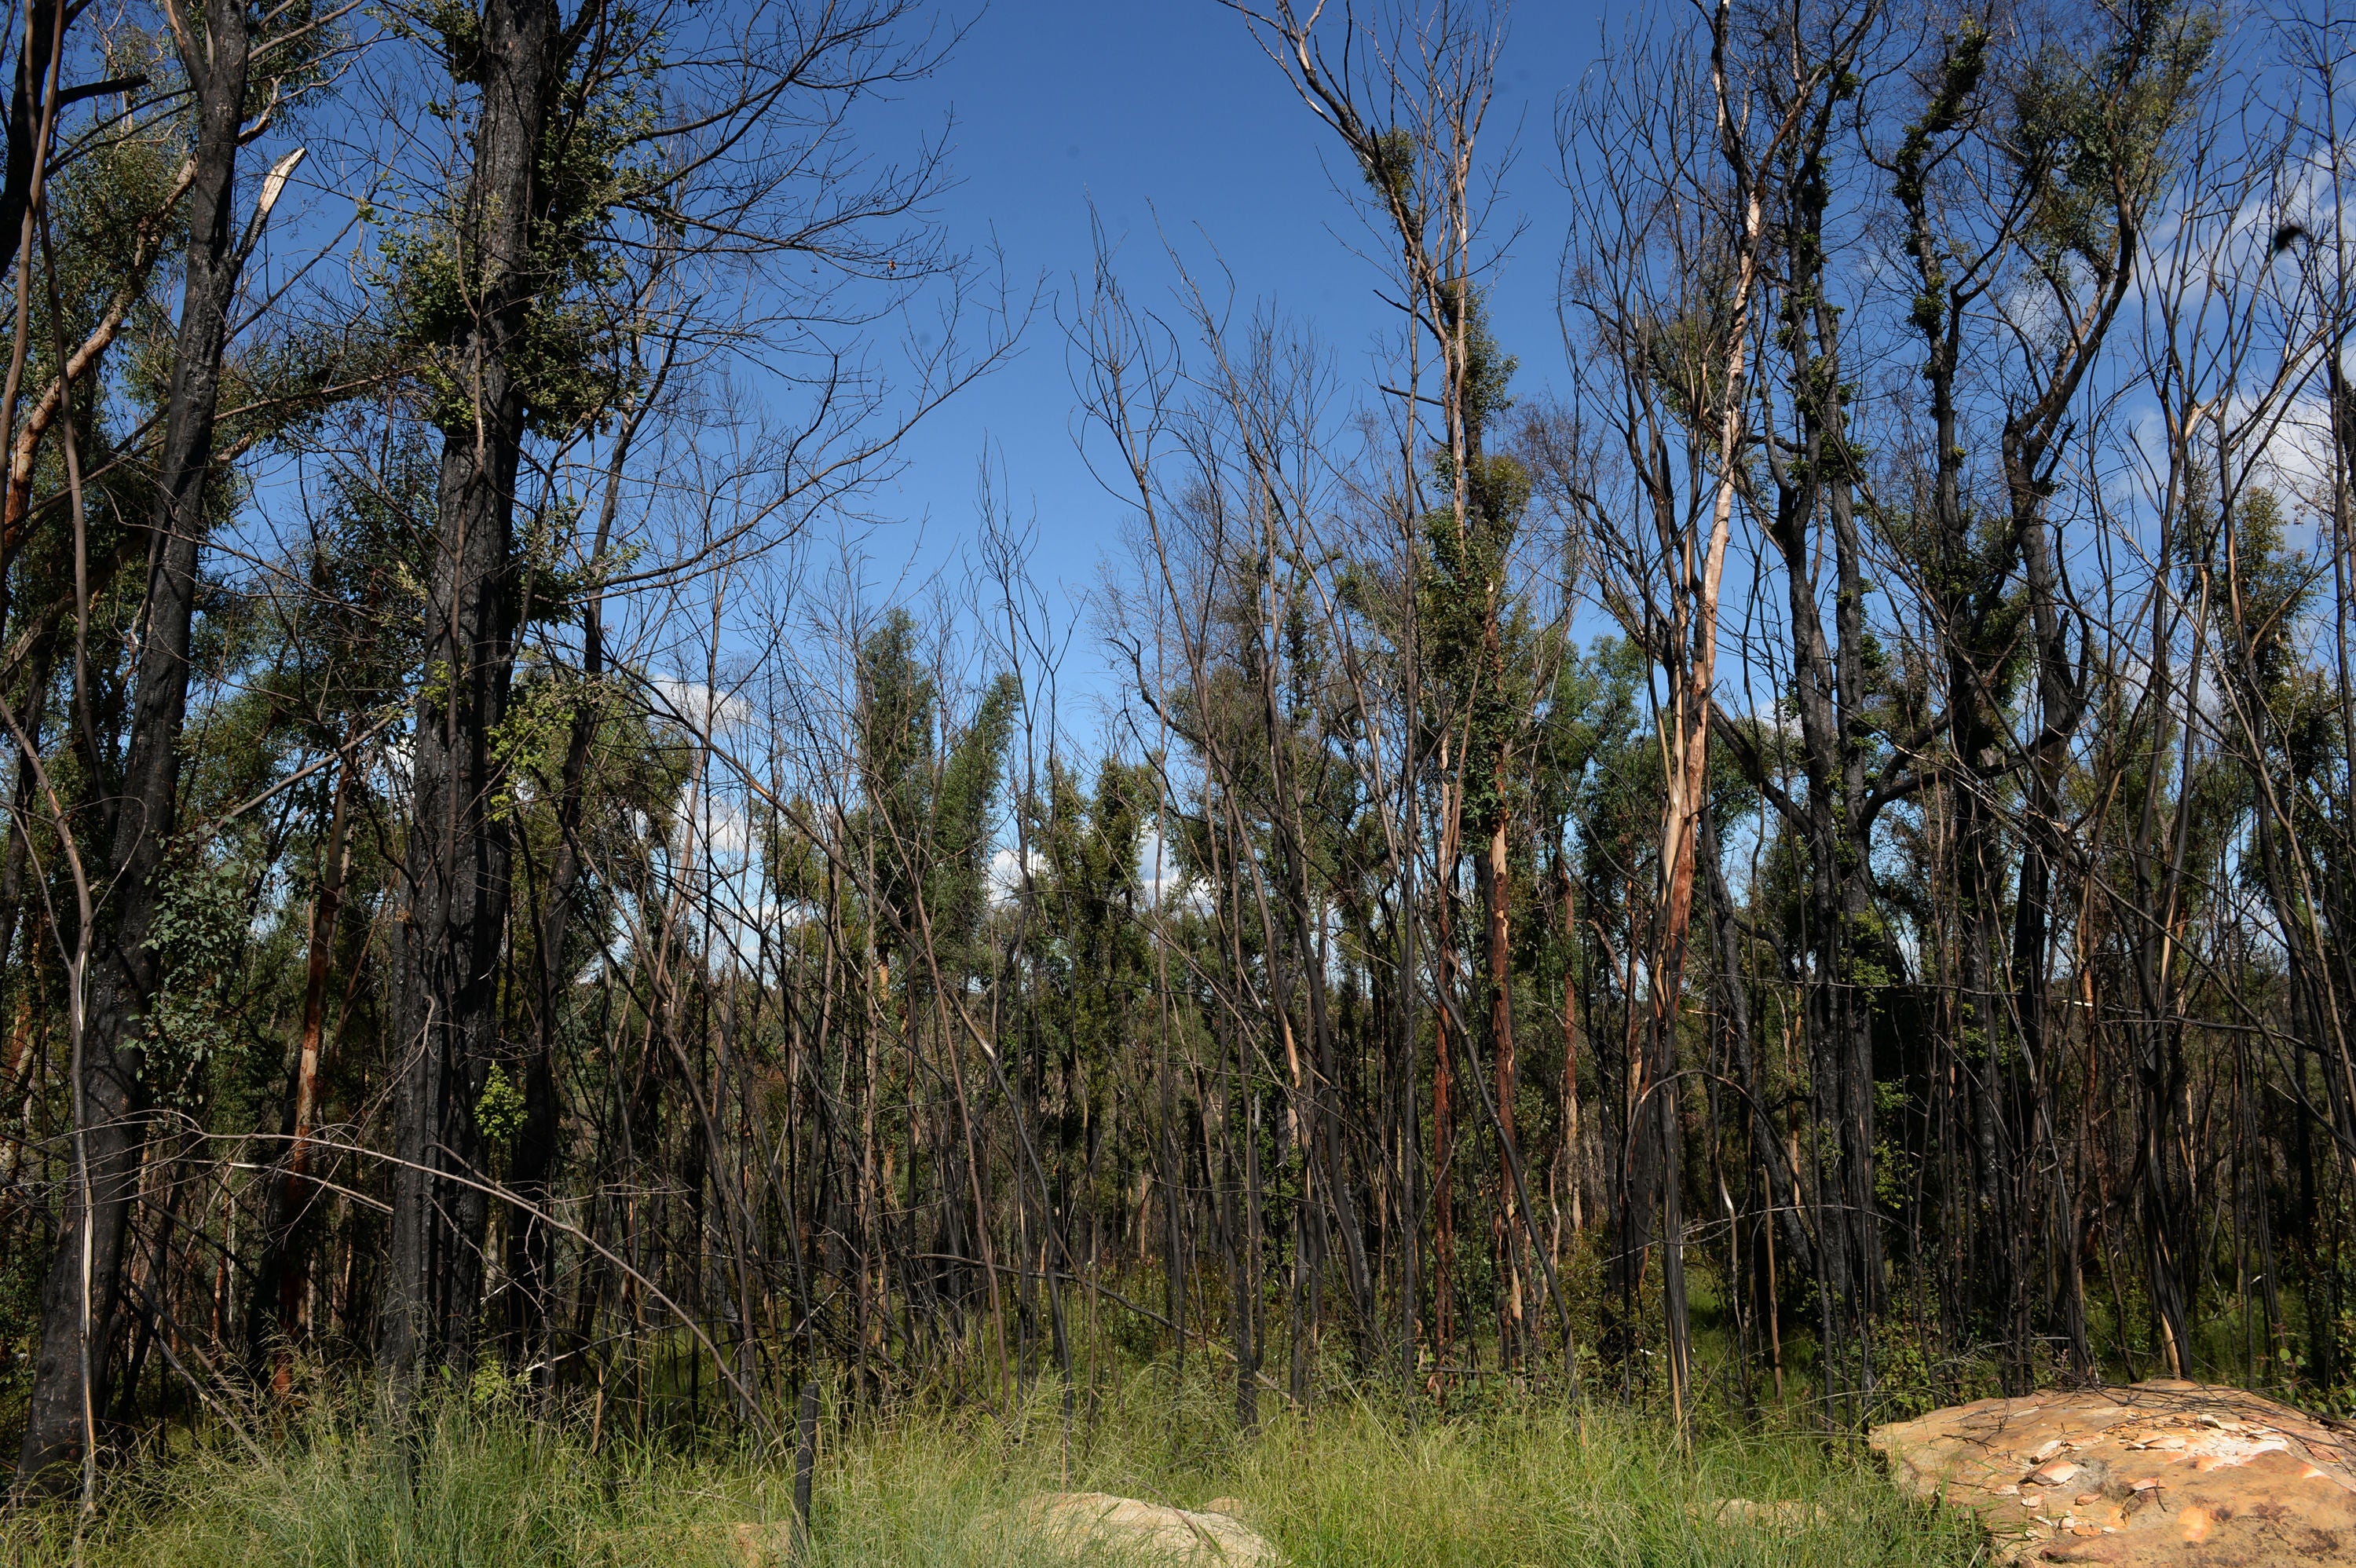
[[1146, 1532], [1782, 1517], [767, 1545], [2164, 1474]]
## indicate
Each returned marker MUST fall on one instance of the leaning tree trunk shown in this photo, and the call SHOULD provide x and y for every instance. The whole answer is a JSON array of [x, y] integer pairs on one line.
[[78, 1296], [458, 869]]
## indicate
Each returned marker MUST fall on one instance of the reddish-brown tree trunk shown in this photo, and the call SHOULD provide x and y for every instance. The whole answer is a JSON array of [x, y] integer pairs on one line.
[[284, 1259], [1506, 1225]]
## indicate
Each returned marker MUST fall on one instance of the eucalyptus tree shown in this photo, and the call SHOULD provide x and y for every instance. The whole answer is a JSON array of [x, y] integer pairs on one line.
[[603, 147], [1680, 169], [220, 53], [1407, 94], [2028, 178]]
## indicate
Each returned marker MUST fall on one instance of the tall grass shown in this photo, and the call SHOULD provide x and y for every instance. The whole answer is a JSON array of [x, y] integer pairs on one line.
[[485, 1485]]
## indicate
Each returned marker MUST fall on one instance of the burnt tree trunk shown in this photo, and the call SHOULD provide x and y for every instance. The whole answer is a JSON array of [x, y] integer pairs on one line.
[[79, 1296], [458, 857]]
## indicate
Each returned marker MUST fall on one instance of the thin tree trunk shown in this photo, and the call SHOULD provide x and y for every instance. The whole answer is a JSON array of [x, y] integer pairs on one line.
[[1506, 1237], [282, 1275]]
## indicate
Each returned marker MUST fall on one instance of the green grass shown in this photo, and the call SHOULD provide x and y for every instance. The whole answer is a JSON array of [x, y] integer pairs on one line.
[[487, 1486]]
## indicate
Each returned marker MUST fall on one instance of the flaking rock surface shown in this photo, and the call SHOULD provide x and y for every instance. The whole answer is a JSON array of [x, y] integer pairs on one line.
[[1083, 1524], [2165, 1474]]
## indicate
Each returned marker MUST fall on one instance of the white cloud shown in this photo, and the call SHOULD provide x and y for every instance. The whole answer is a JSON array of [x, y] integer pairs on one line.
[[1159, 875], [1006, 879], [694, 704], [2297, 460], [726, 829]]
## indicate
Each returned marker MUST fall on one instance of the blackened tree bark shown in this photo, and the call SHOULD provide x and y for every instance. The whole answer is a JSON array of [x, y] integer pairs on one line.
[[1814, 470], [2080, 147], [28, 103], [1785, 1191], [1964, 578], [458, 852], [79, 1296]]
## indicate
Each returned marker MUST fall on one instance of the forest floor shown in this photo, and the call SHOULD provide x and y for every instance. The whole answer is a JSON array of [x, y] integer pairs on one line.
[[482, 1483]]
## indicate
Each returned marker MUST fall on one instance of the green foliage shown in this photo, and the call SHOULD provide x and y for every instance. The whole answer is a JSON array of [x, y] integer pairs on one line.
[[199, 933], [533, 735], [1474, 629], [896, 698], [1913, 1372], [1963, 66], [457, 28], [567, 353], [1390, 164], [2264, 593], [498, 1110], [2087, 135], [958, 854], [928, 803]]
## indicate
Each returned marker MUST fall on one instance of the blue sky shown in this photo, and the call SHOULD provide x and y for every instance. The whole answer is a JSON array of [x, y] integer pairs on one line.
[[1169, 119]]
